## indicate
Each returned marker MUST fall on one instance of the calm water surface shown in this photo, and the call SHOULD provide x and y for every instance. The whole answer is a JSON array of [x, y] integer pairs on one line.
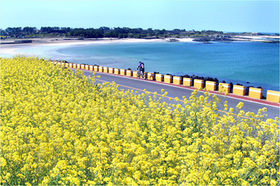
[[249, 63], [237, 62]]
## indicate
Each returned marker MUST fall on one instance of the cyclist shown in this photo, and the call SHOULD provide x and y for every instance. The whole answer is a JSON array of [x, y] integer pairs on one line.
[[141, 69]]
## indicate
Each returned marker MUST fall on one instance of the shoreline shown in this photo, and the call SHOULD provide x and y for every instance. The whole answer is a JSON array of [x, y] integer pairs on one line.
[[9, 47], [46, 47], [78, 41]]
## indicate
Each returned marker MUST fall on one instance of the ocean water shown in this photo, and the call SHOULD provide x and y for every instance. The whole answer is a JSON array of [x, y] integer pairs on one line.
[[248, 63]]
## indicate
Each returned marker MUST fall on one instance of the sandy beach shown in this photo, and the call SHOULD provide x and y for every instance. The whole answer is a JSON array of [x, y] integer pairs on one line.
[[10, 48], [76, 41]]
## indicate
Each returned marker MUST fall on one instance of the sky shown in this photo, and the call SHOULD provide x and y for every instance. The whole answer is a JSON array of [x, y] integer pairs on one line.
[[220, 15]]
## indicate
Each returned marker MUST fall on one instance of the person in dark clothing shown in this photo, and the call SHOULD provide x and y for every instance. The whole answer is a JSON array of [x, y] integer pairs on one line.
[[141, 69]]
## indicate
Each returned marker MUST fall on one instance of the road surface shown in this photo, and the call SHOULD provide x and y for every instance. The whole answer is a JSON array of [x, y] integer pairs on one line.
[[124, 82]]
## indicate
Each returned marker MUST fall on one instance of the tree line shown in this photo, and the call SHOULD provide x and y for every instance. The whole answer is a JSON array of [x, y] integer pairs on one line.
[[118, 32], [124, 32]]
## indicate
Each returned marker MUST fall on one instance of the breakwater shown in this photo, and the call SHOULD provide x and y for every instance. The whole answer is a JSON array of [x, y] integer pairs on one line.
[[207, 84]]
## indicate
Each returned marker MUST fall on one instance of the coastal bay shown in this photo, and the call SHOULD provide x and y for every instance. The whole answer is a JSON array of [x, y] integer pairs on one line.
[[252, 63]]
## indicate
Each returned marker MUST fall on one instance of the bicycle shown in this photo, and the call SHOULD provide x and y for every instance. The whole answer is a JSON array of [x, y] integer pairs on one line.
[[141, 73]]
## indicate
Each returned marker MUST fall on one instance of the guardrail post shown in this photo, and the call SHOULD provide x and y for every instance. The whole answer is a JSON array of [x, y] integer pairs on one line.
[[224, 88], [211, 85], [100, 69], [116, 71], [177, 80], [105, 69], [135, 72], [129, 73], [187, 82], [198, 83], [111, 70], [123, 72], [239, 90], [78, 66], [159, 77], [150, 76], [273, 96], [255, 92], [168, 78]]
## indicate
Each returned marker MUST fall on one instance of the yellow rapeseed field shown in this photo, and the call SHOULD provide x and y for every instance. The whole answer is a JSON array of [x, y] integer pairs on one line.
[[60, 127]]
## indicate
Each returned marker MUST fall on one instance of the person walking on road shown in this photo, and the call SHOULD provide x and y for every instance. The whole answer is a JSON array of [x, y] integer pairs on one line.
[[141, 69]]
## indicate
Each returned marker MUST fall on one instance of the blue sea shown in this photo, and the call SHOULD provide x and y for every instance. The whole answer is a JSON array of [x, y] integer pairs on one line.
[[248, 63]]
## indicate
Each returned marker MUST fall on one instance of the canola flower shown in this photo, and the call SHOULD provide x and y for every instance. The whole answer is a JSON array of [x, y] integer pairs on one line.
[[59, 127]]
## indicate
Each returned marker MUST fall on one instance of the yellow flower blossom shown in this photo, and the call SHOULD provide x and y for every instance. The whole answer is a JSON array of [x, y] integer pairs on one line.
[[60, 127]]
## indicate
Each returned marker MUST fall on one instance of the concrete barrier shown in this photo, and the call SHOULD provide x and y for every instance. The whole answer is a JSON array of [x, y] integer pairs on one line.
[[177, 80], [224, 88], [211, 85], [105, 69], [135, 72], [168, 78], [100, 69], [129, 73], [123, 72], [159, 77], [198, 83], [187, 82], [150, 76], [273, 96], [239, 90], [116, 71], [255, 92], [111, 70]]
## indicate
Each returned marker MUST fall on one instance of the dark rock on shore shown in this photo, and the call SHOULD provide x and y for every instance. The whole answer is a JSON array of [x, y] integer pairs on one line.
[[213, 38]]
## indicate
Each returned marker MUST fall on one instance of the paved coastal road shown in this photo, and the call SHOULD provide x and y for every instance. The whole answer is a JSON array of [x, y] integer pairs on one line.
[[126, 83]]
